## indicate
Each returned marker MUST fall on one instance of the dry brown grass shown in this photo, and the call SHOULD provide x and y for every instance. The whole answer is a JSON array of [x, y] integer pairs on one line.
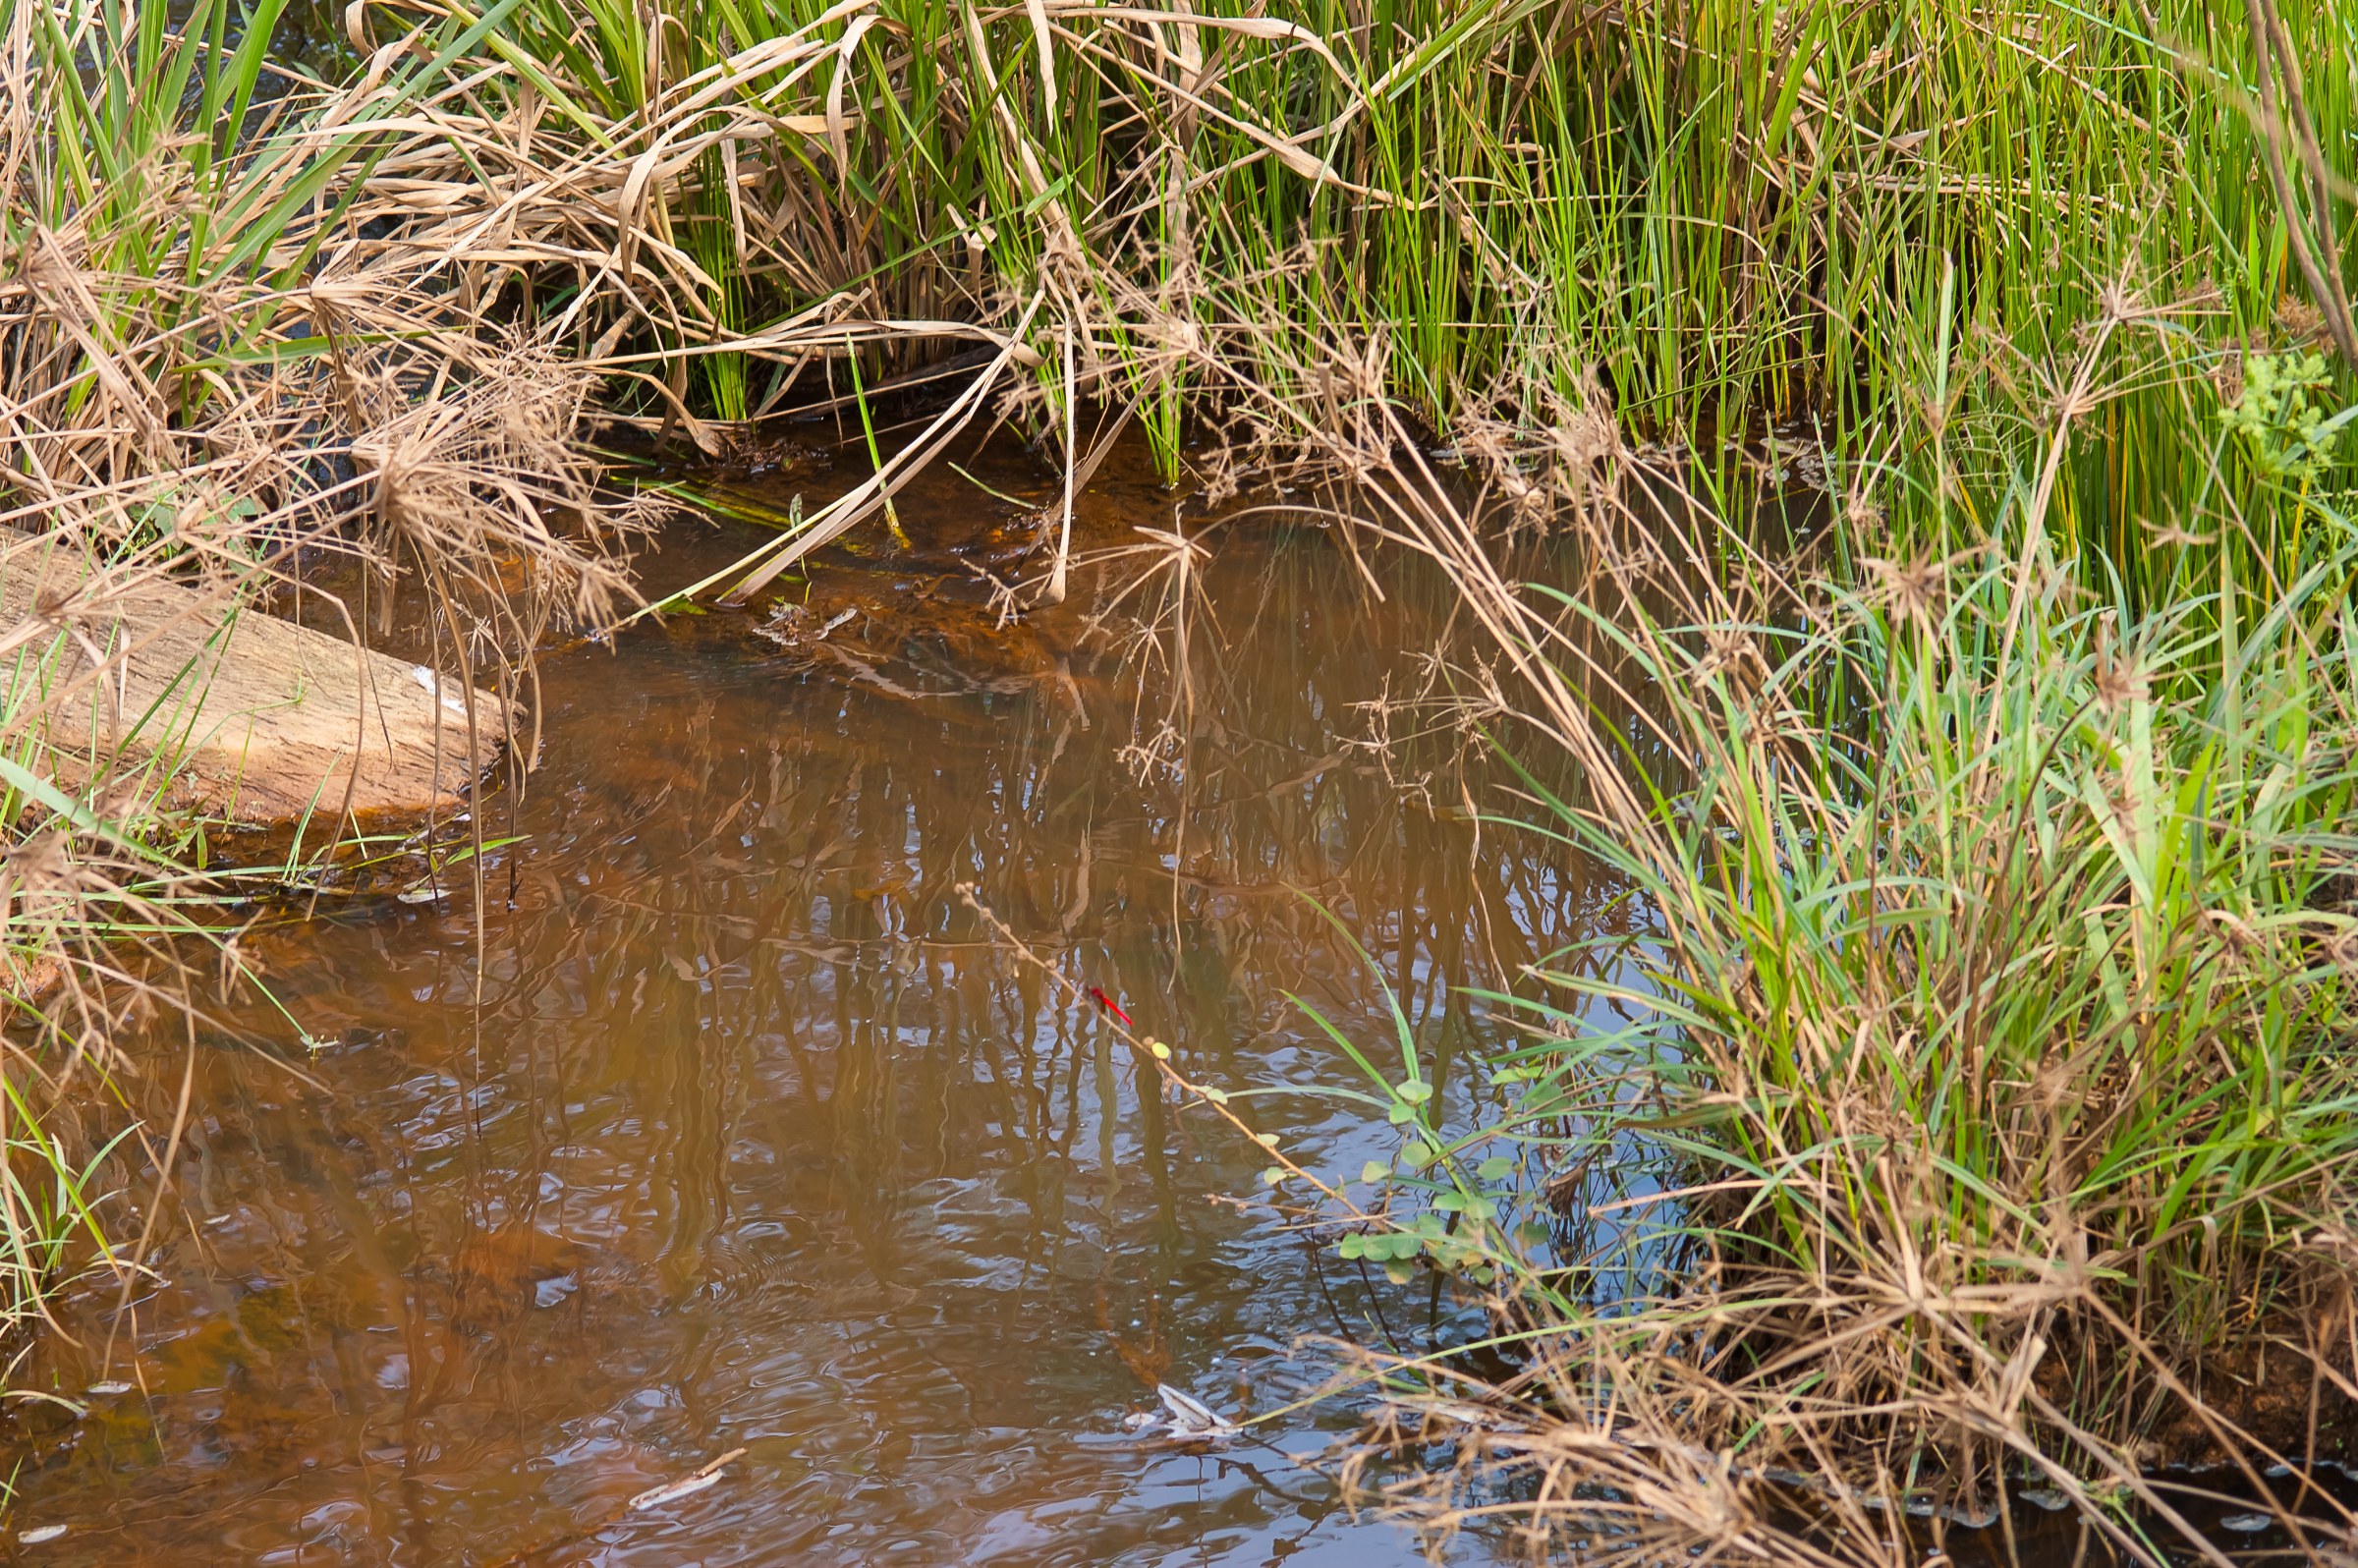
[[219, 374]]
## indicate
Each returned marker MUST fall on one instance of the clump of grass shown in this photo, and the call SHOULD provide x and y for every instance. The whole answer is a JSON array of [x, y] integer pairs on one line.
[[221, 342], [89, 894], [1974, 1110]]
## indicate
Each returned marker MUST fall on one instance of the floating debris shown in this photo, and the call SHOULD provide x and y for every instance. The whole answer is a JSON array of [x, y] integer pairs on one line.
[[108, 1390], [1192, 1419], [685, 1486]]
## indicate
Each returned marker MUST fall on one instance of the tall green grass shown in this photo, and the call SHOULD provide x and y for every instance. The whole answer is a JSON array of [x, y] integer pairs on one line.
[[1727, 213]]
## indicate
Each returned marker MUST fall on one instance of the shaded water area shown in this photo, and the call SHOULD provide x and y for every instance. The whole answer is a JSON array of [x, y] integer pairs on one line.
[[720, 1123]]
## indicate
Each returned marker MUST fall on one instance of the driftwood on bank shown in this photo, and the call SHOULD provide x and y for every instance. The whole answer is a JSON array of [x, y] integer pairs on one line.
[[256, 720]]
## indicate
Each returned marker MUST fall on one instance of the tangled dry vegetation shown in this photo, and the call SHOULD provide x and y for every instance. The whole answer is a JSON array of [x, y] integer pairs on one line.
[[214, 387]]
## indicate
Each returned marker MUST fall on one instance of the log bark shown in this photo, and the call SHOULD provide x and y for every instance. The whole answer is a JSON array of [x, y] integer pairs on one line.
[[257, 721]]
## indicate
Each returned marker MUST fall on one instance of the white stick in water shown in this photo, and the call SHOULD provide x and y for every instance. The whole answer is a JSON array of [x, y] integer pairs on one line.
[[685, 1486]]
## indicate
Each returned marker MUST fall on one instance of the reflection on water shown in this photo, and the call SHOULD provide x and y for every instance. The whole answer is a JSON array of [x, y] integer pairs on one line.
[[727, 1129]]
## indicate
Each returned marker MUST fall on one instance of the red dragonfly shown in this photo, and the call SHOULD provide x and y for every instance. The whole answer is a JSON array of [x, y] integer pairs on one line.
[[1111, 1006]]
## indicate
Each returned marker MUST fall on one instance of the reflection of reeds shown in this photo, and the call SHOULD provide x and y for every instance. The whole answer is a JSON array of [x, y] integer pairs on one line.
[[733, 1026]]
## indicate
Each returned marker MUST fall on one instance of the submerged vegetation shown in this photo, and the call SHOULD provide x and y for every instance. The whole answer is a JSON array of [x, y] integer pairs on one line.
[[1977, 1109]]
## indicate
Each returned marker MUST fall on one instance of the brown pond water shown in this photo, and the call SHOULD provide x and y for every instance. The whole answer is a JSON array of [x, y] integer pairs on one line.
[[726, 1128], [719, 1124]]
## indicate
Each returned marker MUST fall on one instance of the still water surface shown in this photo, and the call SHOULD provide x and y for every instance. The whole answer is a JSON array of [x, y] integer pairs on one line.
[[725, 1127]]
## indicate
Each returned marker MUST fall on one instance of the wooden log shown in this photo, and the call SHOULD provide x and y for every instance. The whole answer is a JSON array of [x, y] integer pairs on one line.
[[256, 720]]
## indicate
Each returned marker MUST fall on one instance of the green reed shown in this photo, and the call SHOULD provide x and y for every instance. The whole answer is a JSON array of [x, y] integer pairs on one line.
[[1729, 212]]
